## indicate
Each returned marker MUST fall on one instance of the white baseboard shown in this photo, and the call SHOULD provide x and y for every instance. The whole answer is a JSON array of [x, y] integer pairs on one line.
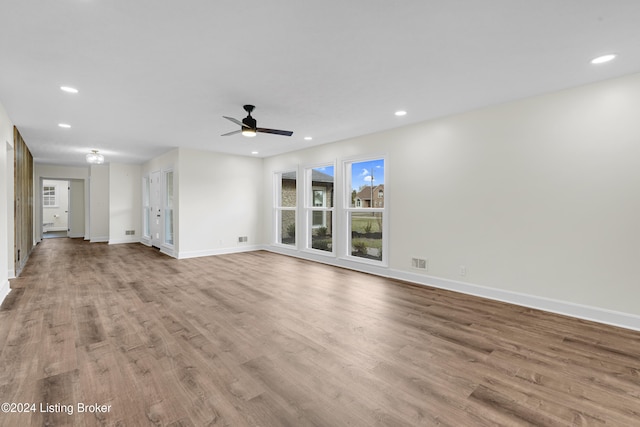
[[566, 308], [47, 229], [585, 312], [221, 251], [100, 239], [4, 290], [11, 274], [168, 250], [121, 241]]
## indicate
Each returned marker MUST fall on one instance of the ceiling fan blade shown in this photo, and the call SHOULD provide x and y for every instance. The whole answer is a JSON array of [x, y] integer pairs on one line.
[[236, 121], [231, 133], [275, 131]]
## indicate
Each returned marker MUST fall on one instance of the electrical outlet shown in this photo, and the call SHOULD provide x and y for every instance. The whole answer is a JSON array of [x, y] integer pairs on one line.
[[463, 270]]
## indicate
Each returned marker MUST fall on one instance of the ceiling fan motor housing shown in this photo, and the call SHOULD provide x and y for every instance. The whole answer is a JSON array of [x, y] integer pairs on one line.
[[249, 125], [249, 122]]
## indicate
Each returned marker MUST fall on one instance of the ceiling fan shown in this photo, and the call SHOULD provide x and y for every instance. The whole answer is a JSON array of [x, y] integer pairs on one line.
[[249, 125]]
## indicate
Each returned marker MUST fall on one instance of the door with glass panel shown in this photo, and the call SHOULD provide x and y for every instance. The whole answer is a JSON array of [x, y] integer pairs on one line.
[[155, 203]]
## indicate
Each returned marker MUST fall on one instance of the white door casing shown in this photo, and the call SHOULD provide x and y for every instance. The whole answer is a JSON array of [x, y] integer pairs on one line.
[[155, 200]]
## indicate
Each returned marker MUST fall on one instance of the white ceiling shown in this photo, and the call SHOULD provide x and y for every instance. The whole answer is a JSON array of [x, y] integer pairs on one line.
[[158, 74]]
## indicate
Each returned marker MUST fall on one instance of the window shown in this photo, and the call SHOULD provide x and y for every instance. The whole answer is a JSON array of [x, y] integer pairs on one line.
[[286, 199], [365, 211], [319, 207], [319, 200], [168, 208], [49, 196]]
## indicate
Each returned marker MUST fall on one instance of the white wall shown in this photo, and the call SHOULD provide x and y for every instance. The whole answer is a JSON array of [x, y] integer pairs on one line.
[[77, 208], [59, 172], [6, 202], [539, 199], [99, 203], [220, 197], [125, 203]]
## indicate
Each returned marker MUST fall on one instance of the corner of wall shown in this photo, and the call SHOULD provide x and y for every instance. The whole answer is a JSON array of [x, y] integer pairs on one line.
[[4, 291]]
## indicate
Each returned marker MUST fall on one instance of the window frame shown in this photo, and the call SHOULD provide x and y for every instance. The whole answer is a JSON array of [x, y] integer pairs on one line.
[[347, 210], [328, 212], [278, 209], [168, 208], [52, 197]]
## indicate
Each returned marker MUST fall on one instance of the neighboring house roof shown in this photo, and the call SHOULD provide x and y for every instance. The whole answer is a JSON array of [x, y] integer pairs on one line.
[[365, 193], [316, 176]]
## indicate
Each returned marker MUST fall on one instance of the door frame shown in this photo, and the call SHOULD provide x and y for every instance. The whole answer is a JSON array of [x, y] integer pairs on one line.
[[155, 203], [60, 184]]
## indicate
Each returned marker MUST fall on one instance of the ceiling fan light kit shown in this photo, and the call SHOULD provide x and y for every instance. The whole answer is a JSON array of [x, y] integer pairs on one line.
[[249, 125]]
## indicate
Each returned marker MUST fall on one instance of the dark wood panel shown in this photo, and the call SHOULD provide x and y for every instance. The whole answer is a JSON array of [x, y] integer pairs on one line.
[[263, 339], [23, 201]]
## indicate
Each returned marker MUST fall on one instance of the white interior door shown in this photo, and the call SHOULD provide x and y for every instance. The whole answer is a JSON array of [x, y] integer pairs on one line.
[[155, 201]]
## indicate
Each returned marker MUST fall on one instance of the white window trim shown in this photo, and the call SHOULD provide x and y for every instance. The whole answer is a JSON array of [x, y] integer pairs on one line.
[[165, 208], [308, 209], [323, 208], [346, 211], [278, 209], [54, 196]]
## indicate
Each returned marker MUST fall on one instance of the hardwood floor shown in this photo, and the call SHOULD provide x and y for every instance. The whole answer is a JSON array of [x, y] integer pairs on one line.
[[266, 340]]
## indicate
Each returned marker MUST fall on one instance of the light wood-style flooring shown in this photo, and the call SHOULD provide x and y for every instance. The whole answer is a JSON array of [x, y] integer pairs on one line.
[[260, 339]]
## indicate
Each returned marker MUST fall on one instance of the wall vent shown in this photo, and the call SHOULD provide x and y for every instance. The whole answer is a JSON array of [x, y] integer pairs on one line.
[[243, 239], [419, 263], [130, 232]]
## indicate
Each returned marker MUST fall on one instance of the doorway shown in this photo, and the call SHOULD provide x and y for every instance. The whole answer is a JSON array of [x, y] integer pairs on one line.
[[55, 208], [62, 208]]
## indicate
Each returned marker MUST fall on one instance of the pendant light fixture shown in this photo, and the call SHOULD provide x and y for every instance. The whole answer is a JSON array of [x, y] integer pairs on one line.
[[95, 158]]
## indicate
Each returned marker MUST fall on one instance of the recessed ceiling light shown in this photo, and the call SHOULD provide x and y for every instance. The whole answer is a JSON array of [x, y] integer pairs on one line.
[[307, 138], [64, 125], [254, 152], [401, 113], [604, 58], [69, 89]]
